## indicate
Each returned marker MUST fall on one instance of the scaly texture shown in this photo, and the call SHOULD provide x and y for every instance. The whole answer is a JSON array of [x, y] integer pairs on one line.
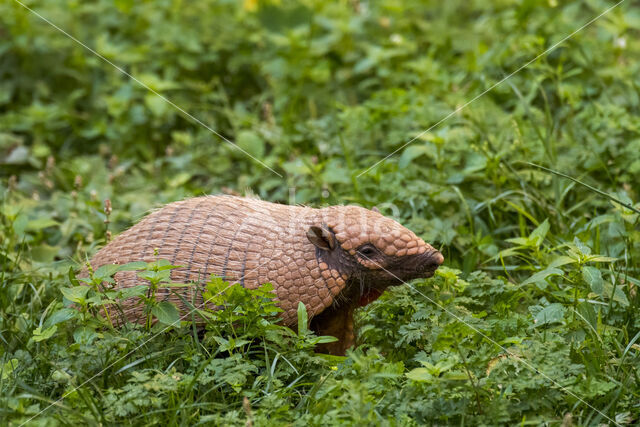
[[251, 242]]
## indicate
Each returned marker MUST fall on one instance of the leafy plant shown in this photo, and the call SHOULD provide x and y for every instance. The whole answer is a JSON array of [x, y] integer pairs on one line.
[[530, 191]]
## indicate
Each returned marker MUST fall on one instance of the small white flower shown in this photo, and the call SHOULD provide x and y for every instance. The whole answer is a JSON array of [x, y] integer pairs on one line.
[[395, 38], [620, 42]]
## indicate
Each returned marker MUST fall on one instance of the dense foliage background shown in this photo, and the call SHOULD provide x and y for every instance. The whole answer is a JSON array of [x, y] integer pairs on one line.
[[533, 320]]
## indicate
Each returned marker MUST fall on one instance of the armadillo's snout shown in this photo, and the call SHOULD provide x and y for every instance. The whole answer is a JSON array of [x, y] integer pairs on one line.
[[431, 261]]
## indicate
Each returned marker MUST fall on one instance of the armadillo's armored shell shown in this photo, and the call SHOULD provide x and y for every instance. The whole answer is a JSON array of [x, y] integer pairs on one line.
[[245, 240]]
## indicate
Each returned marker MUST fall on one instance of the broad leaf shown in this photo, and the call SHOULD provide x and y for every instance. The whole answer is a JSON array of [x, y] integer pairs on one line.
[[542, 275], [593, 277], [42, 335], [60, 316], [166, 313], [75, 294], [553, 313]]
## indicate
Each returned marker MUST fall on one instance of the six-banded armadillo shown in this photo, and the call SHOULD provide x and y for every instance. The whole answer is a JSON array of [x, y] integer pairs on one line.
[[332, 259]]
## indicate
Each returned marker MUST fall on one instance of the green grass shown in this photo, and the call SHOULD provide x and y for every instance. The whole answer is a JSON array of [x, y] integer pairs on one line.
[[531, 192]]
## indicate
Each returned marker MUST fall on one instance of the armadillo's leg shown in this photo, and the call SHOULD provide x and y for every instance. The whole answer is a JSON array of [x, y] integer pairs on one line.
[[337, 322]]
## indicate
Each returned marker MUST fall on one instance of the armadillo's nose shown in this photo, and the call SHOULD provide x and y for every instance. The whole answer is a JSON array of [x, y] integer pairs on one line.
[[438, 259], [434, 260], [431, 260], [434, 257]]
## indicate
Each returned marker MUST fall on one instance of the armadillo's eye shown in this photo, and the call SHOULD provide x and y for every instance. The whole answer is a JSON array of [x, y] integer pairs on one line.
[[367, 250]]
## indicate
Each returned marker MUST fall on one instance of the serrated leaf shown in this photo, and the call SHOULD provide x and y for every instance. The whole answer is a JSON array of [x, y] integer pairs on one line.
[[618, 294], [75, 294], [166, 313], [84, 335], [135, 291], [131, 266], [156, 276], [584, 249], [106, 271], [593, 277], [553, 313]]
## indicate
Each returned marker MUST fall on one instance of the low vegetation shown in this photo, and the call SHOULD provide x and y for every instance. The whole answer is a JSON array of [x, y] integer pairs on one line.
[[530, 191]]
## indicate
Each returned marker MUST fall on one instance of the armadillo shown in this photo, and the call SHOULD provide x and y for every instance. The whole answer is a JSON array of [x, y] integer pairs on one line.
[[332, 259]]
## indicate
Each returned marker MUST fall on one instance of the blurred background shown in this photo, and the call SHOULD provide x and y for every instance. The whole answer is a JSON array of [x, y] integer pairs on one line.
[[320, 92]]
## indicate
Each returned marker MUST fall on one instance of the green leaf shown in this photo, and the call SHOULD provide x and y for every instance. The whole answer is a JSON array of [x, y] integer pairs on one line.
[[618, 295], [8, 367], [156, 277], [223, 343], [593, 277], [541, 276], [455, 376], [166, 313], [85, 335], [72, 277], [40, 223], [106, 271], [156, 105], [251, 143], [553, 313], [40, 335], [76, 294], [560, 261], [537, 236], [44, 253], [413, 152], [323, 339], [521, 241], [132, 266], [302, 319], [584, 249], [600, 258], [419, 374], [60, 316], [335, 173], [134, 291]]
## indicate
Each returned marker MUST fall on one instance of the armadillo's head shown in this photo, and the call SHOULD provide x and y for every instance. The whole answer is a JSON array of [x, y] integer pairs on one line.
[[360, 253], [372, 250]]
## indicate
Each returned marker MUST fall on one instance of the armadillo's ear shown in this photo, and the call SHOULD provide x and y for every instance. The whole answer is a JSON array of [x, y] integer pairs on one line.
[[322, 237], [375, 209]]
